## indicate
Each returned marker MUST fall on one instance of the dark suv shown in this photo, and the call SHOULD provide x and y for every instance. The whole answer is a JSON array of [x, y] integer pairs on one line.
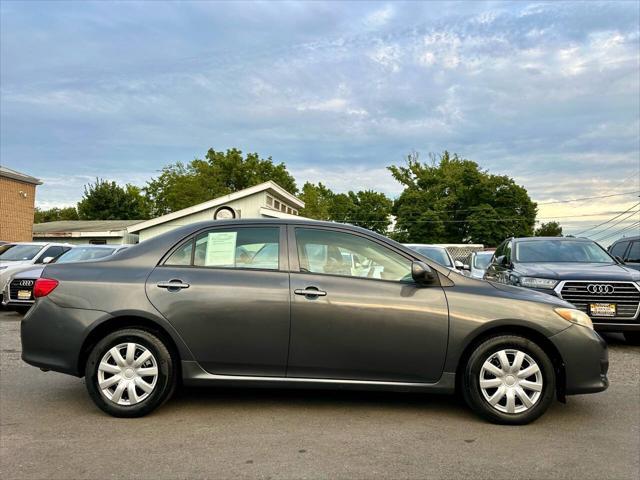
[[628, 250], [577, 270]]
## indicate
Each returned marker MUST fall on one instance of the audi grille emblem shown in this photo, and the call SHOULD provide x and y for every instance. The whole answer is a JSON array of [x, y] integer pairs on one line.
[[600, 288], [26, 283]]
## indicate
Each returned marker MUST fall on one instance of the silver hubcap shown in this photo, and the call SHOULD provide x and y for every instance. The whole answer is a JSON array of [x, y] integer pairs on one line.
[[511, 381], [127, 374]]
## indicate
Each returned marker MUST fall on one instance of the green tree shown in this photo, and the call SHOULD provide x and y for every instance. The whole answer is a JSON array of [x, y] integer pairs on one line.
[[367, 209], [219, 173], [317, 201], [104, 200], [451, 200], [549, 229], [55, 214]]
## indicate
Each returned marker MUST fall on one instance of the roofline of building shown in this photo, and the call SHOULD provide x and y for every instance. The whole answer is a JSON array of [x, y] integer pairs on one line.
[[65, 234], [20, 177], [269, 185]]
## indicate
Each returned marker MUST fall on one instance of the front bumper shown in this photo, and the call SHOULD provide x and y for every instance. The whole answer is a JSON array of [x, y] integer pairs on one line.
[[52, 336], [586, 360]]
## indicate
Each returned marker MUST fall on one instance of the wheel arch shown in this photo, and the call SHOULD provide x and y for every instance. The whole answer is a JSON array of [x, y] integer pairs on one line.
[[120, 322], [529, 333]]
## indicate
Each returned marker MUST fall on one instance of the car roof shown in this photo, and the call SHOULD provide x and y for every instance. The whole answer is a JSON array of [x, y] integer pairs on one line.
[[627, 239], [534, 239]]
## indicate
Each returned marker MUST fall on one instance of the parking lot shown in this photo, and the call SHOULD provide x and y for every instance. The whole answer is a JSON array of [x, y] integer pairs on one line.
[[50, 428]]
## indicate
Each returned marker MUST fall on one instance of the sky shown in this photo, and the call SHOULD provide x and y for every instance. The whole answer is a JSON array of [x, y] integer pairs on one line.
[[547, 93]]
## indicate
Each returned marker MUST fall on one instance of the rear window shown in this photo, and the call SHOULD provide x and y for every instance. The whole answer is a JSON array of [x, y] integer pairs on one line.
[[84, 254]]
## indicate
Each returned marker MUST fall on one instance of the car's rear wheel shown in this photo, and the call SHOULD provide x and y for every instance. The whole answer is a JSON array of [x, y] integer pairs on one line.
[[632, 338], [509, 380], [129, 373]]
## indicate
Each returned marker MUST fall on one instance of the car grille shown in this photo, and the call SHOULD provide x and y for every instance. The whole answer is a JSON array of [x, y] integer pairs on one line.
[[21, 284], [625, 295]]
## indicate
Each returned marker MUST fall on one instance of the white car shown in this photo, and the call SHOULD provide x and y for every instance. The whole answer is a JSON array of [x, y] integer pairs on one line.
[[440, 255], [479, 263], [21, 255]]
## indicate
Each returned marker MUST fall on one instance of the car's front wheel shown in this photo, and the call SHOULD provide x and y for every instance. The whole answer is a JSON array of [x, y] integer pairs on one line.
[[129, 373], [509, 380]]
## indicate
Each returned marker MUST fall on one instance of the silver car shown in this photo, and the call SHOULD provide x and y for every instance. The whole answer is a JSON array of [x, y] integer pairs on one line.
[[18, 291]]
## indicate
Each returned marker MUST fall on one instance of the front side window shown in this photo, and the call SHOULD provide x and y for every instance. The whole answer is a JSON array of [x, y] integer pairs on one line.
[[619, 248], [231, 248], [634, 252], [52, 252], [561, 251], [337, 253]]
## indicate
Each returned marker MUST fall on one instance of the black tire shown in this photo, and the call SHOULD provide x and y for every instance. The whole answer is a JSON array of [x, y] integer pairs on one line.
[[166, 378], [632, 338], [471, 380]]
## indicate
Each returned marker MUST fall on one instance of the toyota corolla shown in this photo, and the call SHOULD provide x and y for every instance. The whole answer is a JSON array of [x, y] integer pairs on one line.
[[297, 303]]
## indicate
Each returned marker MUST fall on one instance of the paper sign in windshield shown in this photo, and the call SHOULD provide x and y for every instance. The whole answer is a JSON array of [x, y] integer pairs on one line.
[[221, 249]]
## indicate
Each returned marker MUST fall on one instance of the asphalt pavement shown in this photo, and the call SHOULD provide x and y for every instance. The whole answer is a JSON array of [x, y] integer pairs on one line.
[[49, 428]]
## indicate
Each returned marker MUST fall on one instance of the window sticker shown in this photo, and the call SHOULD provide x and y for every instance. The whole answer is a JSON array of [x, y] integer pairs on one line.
[[221, 249]]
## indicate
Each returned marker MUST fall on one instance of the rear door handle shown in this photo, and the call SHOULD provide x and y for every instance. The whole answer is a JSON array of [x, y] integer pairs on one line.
[[310, 292], [174, 285]]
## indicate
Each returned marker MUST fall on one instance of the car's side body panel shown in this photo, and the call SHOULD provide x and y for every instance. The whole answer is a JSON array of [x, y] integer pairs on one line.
[[236, 322], [367, 329]]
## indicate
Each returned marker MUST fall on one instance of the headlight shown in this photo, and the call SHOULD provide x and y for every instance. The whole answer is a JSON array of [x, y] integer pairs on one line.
[[533, 282], [575, 316]]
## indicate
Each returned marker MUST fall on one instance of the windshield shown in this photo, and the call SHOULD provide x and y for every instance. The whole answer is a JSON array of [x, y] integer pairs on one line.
[[481, 260], [560, 251], [437, 254], [4, 248], [84, 254], [20, 252]]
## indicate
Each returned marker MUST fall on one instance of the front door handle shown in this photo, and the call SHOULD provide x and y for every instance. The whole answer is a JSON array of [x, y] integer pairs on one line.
[[173, 285], [310, 292]]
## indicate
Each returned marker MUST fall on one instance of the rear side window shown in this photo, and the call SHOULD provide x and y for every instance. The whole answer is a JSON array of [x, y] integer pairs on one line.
[[619, 248], [257, 248], [634, 253]]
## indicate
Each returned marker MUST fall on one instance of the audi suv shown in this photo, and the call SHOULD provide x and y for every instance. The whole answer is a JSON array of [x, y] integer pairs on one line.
[[577, 270]]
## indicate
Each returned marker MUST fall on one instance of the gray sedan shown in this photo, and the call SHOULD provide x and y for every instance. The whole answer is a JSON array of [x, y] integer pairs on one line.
[[295, 303]]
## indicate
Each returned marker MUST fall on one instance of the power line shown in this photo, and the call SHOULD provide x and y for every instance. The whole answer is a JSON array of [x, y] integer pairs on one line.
[[618, 232], [611, 219], [635, 212], [590, 198]]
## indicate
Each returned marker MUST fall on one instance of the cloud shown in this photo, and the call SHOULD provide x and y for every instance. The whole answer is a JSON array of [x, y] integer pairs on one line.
[[544, 92]]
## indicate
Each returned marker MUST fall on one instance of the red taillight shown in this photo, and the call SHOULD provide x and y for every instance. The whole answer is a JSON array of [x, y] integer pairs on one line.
[[44, 286]]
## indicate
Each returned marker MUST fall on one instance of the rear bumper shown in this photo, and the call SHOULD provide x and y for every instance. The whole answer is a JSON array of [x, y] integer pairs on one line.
[[52, 336], [586, 359]]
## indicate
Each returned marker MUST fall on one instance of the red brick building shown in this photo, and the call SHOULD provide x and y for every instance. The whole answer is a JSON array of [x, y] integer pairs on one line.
[[17, 201]]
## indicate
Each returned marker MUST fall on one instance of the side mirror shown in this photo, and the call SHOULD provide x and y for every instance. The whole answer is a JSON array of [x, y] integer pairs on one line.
[[47, 259], [466, 267], [422, 273], [458, 264]]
